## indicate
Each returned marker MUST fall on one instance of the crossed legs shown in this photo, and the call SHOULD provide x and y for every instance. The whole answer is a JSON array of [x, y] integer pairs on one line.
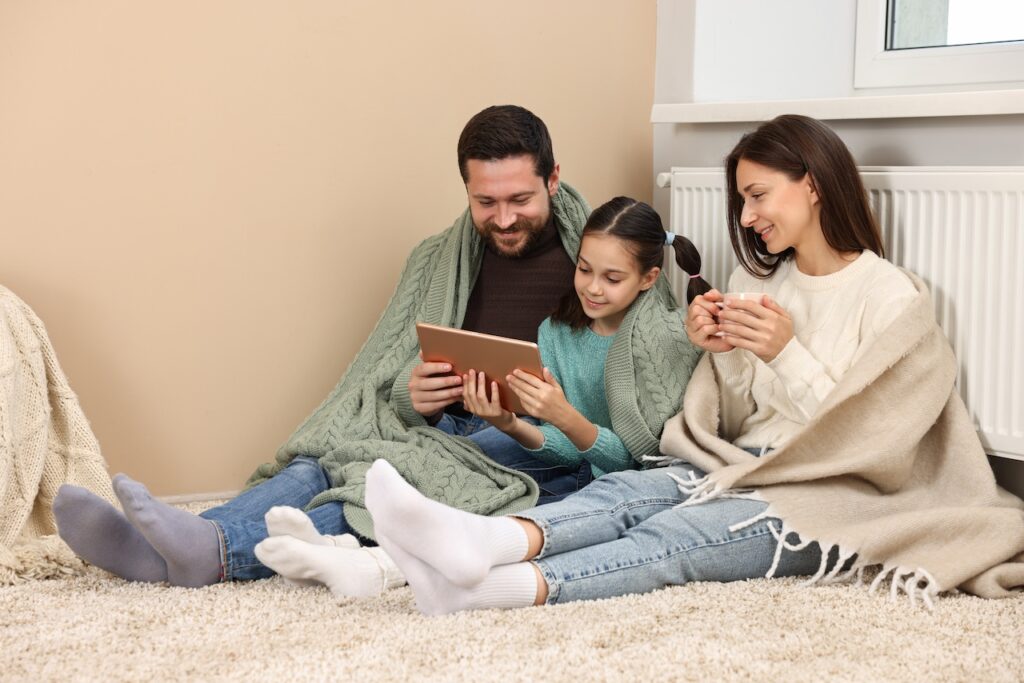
[[623, 534]]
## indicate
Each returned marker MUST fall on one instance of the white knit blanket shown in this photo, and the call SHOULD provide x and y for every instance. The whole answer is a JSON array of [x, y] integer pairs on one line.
[[45, 441]]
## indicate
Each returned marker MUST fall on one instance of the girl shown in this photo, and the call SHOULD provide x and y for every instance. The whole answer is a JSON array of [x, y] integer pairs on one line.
[[791, 413], [620, 257]]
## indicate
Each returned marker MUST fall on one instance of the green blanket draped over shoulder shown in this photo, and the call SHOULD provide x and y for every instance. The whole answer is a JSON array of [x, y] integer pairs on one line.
[[369, 413]]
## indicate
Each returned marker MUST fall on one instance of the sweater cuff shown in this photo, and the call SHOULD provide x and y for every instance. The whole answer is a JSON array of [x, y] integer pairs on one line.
[[608, 453], [792, 361]]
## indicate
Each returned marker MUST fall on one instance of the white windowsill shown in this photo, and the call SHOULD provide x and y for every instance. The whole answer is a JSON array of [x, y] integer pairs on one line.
[[977, 103]]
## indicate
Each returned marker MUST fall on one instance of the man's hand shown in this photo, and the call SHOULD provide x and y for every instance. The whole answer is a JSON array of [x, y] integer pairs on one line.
[[476, 400], [431, 393]]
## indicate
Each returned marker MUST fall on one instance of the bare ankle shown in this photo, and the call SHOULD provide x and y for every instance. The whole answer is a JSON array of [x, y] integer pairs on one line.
[[534, 537]]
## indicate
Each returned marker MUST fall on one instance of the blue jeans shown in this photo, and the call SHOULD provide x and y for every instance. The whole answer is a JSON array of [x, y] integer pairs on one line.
[[623, 534], [555, 482], [240, 521], [241, 525]]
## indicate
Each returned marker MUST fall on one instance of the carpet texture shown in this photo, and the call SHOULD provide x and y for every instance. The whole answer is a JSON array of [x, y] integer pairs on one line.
[[94, 627]]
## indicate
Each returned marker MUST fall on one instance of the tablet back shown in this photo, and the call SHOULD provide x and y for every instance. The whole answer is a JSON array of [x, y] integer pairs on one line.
[[495, 356]]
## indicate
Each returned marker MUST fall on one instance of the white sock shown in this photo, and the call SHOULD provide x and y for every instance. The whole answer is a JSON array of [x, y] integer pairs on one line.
[[288, 521], [348, 573], [283, 520], [505, 587], [461, 546]]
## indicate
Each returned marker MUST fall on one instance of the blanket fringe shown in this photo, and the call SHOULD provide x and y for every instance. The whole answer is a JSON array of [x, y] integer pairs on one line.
[[917, 584], [47, 557], [703, 489]]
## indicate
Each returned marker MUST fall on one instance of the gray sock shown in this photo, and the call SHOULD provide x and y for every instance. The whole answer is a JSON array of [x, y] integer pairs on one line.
[[189, 544], [101, 535]]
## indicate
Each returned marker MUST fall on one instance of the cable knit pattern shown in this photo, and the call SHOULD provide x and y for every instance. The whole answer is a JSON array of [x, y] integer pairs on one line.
[[369, 413], [45, 439], [647, 369], [835, 317]]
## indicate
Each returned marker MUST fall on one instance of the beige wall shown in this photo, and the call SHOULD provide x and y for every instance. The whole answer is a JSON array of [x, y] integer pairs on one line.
[[208, 203]]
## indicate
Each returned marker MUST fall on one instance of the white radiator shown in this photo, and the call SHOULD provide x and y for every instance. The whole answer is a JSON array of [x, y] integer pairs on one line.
[[960, 228]]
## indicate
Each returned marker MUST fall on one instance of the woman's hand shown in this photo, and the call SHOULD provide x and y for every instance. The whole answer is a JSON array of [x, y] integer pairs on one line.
[[476, 400], [702, 325], [763, 328], [542, 398]]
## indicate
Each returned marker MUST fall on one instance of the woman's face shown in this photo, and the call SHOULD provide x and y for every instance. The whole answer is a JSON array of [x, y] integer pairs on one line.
[[784, 212]]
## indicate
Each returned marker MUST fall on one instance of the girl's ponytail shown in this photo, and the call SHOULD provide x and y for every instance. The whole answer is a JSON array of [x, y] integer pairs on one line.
[[688, 258]]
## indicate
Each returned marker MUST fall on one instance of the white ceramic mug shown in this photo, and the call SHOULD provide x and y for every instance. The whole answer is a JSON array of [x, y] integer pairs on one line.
[[742, 296]]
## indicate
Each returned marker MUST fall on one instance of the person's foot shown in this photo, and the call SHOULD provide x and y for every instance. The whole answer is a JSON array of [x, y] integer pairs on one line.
[[101, 535], [504, 587], [189, 544], [461, 546], [283, 520], [347, 572]]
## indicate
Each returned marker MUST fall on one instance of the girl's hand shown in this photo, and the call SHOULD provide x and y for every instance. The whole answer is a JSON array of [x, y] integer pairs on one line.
[[542, 398], [763, 328], [702, 323], [476, 400]]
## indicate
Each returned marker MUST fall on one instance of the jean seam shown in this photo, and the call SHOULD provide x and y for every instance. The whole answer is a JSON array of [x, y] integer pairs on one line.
[[655, 560], [225, 552], [545, 532], [611, 511], [554, 588]]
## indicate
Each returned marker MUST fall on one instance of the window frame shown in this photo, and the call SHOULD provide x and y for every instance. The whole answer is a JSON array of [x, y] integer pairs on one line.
[[876, 67]]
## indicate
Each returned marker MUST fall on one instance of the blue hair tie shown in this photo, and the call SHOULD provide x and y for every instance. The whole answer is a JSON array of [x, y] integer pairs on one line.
[[670, 237]]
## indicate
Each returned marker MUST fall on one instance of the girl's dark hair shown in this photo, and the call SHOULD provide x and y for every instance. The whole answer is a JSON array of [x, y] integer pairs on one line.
[[798, 145], [639, 227]]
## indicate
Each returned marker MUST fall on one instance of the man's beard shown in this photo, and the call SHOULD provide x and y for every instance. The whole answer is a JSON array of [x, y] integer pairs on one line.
[[532, 229]]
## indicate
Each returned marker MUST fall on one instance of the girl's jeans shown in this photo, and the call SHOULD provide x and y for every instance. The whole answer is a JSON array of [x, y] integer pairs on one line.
[[623, 534]]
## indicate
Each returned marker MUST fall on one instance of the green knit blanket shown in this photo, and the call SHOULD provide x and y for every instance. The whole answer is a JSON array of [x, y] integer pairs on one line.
[[369, 413]]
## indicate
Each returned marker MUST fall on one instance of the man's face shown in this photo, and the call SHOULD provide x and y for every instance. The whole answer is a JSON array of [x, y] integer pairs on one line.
[[510, 204]]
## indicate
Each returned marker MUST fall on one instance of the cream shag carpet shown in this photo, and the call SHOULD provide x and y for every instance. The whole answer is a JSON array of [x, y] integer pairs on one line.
[[94, 627]]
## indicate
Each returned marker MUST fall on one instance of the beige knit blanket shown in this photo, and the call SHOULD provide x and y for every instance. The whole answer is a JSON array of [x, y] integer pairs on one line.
[[45, 441], [889, 469]]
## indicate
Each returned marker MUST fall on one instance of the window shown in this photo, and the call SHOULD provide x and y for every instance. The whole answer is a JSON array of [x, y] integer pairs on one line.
[[939, 42]]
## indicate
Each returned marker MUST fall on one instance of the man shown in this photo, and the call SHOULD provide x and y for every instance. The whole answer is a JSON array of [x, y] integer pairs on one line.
[[500, 269]]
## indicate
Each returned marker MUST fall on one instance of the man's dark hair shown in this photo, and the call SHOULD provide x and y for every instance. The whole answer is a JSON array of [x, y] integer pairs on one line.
[[505, 131]]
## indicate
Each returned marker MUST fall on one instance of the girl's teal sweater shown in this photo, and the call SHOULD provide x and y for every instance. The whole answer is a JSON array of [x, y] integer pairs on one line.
[[576, 358]]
